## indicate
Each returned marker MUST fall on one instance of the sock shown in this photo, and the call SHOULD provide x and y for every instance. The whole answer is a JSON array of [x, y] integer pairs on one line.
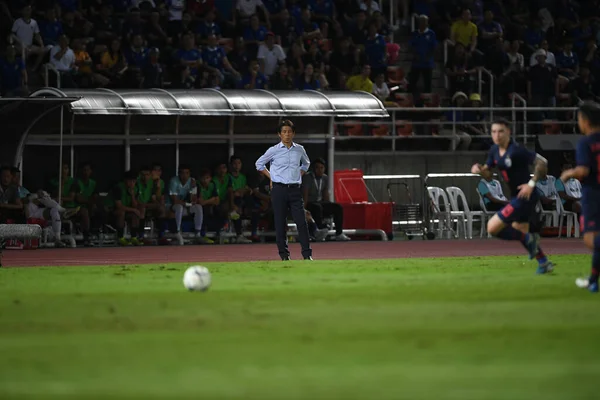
[[595, 261], [510, 233], [120, 232], [141, 229], [56, 223], [541, 257]]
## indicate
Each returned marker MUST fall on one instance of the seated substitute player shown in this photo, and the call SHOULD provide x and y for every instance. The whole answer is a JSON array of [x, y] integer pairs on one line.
[[11, 206], [512, 222], [183, 192], [208, 198], [127, 207], [240, 192], [547, 192], [587, 171], [151, 197], [490, 190]]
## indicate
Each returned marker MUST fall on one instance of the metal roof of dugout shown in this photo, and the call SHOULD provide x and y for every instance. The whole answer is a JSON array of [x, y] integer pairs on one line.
[[212, 102]]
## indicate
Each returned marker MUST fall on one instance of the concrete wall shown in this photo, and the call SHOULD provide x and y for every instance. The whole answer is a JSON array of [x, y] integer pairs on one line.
[[417, 164]]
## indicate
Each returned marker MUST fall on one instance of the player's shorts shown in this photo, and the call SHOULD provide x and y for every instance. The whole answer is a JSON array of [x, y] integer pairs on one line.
[[34, 211], [518, 210], [590, 216]]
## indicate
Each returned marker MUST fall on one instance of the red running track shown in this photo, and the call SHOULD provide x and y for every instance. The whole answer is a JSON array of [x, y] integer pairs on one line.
[[268, 252]]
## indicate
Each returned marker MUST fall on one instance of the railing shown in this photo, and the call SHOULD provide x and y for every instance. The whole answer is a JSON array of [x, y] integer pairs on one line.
[[480, 71], [514, 98], [47, 68]]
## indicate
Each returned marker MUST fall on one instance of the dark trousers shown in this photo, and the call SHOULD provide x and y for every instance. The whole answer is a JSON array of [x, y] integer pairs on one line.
[[284, 197], [413, 80], [318, 210]]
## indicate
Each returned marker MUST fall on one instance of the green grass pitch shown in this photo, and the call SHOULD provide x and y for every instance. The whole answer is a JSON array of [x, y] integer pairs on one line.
[[461, 328]]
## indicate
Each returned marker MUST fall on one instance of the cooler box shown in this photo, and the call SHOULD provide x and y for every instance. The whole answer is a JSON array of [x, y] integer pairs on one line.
[[351, 193], [28, 244]]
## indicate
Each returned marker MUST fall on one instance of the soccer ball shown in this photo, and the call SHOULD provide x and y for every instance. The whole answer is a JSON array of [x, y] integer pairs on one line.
[[196, 278]]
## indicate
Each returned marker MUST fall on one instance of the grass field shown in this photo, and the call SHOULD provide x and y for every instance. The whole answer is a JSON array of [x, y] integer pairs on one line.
[[463, 328]]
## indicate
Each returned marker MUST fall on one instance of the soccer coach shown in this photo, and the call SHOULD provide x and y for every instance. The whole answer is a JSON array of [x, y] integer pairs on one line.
[[289, 163]]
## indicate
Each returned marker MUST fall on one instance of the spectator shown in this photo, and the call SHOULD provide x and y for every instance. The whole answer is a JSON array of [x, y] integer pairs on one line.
[[13, 74], [176, 10], [178, 29], [246, 9], [534, 35], [157, 36], [460, 70], [584, 86], [26, 33], [106, 25], [464, 31], [305, 28], [547, 193], [492, 194], [83, 62], [460, 139], [315, 187], [63, 60], [254, 35], [281, 79], [216, 62], [490, 31], [361, 82], [137, 58], [254, 79], [422, 43], [87, 199], [51, 28], [133, 26], [285, 29], [550, 59], [270, 55], [369, 6], [208, 27], [152, 73], [276, 9], [11, 207], [542, 85], [307, 81], [375, 50], [359, 30], [128, 208], [183, 199], [513, 77], [567, 62], [238, 58], [189, 56], [343, 62], [113, 64], [382, 91]]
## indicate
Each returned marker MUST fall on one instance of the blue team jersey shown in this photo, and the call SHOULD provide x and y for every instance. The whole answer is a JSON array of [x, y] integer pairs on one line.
[[588, 155], [513, 165], [213, 57]]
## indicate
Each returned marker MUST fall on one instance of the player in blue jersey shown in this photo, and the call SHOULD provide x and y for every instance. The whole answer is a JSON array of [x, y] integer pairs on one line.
[[513, 221], [587, 171]]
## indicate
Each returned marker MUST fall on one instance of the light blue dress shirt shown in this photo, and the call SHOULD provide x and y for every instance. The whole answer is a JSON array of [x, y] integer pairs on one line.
[[286, 164], [183, 192]]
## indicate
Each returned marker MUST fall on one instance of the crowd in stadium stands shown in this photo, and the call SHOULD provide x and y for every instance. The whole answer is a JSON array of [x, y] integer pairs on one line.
[[215, 201]]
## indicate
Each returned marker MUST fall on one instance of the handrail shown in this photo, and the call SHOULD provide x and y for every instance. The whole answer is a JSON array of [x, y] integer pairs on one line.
[[413, 22], [49, 67], [446, 43], [480, 71], [514, 98]]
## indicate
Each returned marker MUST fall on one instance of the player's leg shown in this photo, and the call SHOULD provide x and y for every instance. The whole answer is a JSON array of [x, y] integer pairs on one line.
[[134, 224], [544, 265], [119, 215], [592, 241], [279, 200], [500, 226], [54, 215]]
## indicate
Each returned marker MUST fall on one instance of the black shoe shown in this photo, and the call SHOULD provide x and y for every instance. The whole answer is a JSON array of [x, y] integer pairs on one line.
[[285, 258], [309, 258]]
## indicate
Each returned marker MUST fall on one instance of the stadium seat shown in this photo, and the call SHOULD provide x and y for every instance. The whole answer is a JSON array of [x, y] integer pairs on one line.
[[457, 197], [380, 130], [404, 128], [353, 129], [443, 211], [404, 100], [431, 99]]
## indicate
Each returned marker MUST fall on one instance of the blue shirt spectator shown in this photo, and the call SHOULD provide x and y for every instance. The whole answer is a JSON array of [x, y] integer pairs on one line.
[[213, 57], [322, 7], [567, 59], [423, 43], [206, 28], [274, 6], [190, 55], [11, 72], [255, 32], [260, 81], [284, 163], [137, 57], [51, 28], [375, 49]]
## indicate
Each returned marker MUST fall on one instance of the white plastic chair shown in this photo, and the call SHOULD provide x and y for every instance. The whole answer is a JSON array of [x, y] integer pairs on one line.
[[487, 214], [447, 218], [457, 196], [571, 219], [551, 216]]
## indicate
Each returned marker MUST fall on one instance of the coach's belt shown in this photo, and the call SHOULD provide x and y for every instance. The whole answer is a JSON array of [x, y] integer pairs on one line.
[[288, 185]]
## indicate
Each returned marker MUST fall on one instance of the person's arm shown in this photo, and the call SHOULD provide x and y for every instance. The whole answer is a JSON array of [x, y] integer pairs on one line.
[[16, 204], [119, 204], [173, 192], [37, 38], [584, 159], [194, 192], [484, 170], [540, 170], [304, 162], [261, 163]]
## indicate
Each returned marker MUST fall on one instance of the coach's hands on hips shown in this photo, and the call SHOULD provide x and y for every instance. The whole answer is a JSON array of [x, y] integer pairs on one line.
[[476, 168], [525, 191]]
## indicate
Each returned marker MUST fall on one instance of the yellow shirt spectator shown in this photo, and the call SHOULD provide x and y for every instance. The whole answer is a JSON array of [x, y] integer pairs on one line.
[[360, 82], [83, 61], [108, 61], [464, 33]]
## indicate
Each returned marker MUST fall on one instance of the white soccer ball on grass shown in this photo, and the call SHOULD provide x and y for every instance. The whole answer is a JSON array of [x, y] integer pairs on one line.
[[197, 278]]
